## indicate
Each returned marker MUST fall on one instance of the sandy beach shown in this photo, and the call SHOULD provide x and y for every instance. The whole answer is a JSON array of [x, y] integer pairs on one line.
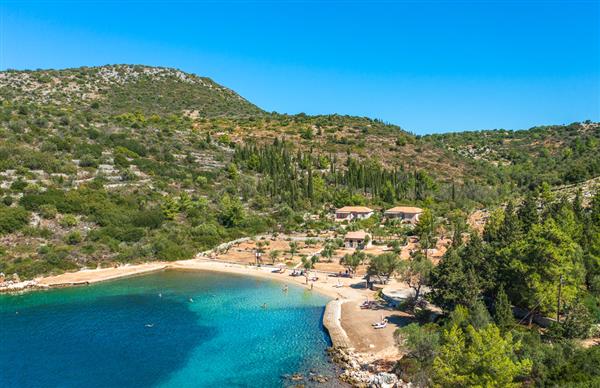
[[348, 325], [90, 276]]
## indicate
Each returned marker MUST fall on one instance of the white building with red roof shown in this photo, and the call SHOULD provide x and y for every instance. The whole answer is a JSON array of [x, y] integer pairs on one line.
[[349, 213], [405, 213], [359, 239]]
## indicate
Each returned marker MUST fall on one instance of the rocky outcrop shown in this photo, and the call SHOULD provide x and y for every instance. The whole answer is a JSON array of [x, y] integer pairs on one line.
[[385, 380], [16, 286], [356, 371], [359, 373]]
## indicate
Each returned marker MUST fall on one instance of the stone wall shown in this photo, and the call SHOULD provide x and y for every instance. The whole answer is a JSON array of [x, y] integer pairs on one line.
[[332, 322]]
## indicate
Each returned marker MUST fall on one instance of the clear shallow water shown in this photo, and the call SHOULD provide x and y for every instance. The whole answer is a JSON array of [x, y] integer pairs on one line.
[[99, 336]]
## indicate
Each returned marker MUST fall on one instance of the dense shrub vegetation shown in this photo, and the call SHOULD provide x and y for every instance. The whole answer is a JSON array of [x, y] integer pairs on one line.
[[541, 258], [560, 154]]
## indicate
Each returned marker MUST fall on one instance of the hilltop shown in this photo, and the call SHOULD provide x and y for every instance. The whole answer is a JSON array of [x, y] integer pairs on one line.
[[116, 89]]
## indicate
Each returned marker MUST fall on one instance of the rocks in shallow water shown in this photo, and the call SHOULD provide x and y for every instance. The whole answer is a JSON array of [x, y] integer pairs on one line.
[[313, 376], [319, 378], [296, 377]]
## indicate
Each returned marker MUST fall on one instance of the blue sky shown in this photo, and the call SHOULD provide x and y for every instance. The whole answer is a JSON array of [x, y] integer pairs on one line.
[[429, 66]]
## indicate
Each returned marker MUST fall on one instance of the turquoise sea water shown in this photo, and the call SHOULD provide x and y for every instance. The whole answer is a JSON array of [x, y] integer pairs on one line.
[[168, 329]]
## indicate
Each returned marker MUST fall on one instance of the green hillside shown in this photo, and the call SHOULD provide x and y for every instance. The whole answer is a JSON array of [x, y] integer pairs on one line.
[[558, 154], [133, 163]]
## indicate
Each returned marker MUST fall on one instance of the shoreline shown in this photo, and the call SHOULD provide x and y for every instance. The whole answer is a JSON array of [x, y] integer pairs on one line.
[[331, 320], [354, 342]]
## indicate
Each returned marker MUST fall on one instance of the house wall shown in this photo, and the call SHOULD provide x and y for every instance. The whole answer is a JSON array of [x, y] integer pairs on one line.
[[412, 217], [342, 216], [352, 243], [352, 216]]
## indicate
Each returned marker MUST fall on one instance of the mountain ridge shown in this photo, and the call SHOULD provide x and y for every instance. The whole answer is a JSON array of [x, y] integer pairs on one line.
[[120, 86], [161, 71]]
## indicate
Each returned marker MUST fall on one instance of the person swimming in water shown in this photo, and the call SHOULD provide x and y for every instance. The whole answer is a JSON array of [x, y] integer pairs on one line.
[[264, 306]]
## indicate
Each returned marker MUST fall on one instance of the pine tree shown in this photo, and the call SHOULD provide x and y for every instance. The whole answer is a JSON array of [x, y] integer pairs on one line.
[[472, 358], [510, 228], [453, 284], [479, 315], [540, 261], [503, 314], [473, 257], [528, 213]]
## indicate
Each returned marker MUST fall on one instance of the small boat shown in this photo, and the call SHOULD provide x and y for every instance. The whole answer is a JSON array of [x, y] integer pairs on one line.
[[149, 325]]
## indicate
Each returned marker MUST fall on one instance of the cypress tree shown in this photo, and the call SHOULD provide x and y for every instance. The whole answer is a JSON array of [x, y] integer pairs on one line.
[[578, 206]]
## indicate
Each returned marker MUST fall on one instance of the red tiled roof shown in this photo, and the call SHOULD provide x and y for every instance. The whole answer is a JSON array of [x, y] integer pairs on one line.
[[405, 209], [354, 209], [358, 235]]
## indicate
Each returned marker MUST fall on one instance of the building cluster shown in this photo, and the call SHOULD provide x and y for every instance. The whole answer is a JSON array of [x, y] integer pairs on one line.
[[408, 214], [361, 239]]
